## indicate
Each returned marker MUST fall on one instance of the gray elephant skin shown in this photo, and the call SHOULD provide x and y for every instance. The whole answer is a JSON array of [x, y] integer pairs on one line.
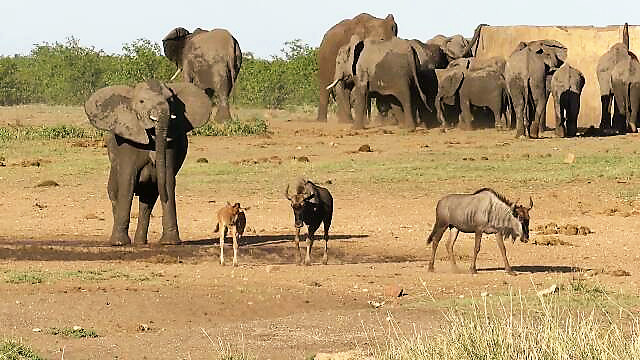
[[566, 87], [616, 54], [147, 146], [625, 79], [528, 74], [380, 68], [211, 60], [364, 26]]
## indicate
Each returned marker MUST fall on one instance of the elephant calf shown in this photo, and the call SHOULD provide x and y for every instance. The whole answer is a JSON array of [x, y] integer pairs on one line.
[[566, 88]]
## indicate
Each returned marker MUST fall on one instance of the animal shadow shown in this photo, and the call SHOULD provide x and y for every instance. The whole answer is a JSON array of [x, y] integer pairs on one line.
[[561, 269], [270, 239]]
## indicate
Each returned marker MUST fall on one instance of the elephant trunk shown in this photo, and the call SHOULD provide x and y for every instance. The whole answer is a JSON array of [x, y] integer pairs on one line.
[[476, 36], [625, 35], [162, 129]]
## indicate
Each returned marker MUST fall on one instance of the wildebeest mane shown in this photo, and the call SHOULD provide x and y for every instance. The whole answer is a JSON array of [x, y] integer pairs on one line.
[[497, 194]]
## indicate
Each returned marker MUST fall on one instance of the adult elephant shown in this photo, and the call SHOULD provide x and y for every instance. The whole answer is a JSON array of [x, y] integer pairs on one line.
[[566, 86], [457, 46], [364, 26], [211, 60], [618, 53], [380, 68], [147, 145], [625, 80], [528, 74]]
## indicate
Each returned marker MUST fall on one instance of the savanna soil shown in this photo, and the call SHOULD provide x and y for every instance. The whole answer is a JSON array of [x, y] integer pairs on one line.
[[178, 302]]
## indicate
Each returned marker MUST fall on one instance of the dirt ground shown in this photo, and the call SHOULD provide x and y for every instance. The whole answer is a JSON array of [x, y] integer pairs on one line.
[[178, 302]]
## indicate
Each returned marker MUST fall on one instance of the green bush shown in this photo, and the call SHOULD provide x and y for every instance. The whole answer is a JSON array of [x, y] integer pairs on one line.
[[13, 350], [234, 127], [48, 133]]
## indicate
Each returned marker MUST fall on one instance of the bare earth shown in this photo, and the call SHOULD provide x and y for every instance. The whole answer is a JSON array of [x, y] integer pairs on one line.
[[269, 307]]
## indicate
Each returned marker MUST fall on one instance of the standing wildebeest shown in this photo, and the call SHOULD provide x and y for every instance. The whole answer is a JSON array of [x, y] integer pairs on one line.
[[232, 218], [483, 212], [312, 205]]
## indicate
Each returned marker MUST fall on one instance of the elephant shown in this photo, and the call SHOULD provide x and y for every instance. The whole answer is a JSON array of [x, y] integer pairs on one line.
[[211, 60], [566, 88], [528, 74], [625, 80], [482, 88], [380, 68], [457, 46], [364, 26], [148, 125], [618, 53]]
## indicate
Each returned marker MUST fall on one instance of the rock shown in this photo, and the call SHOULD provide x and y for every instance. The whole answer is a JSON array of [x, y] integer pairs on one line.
[[583, 230], [375, 304], [345, 355], [28, 163], [569, 229], [36, 330], [619, 272], [365, 148], [302, 159], [548, 291], [77, 328], [549, 241], [393, 291], [202, 160], [142, 328], [47, 183], [484, 158]]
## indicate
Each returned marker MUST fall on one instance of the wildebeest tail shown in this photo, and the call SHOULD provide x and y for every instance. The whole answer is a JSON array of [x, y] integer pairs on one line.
[[217, 227]]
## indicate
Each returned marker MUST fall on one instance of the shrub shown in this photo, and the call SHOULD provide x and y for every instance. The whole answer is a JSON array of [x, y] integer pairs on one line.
[[14, 350], [234, 127]]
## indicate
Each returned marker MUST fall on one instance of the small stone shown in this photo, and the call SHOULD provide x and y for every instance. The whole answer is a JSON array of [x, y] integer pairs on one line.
[[365, 148], [143, 328], [303, 159], [570, 158], [76, 327], [36, 330], [202, 160], [47, 183], [375, 304]]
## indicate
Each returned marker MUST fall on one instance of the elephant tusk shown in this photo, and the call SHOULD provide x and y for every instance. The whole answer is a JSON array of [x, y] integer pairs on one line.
[[173, 116], [176, 74], [153, 118], [334, 83]]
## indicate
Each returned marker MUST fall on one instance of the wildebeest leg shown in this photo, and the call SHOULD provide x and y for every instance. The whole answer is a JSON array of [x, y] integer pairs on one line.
[[223, 232], [325, 258], [297, 241], [434, 239], [503, 251], [453, 235], [476, 250], [235, 247], [310, 235]]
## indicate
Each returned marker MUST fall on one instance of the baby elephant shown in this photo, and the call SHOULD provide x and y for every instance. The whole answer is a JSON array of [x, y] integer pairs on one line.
[[231, 217], [566, 87]]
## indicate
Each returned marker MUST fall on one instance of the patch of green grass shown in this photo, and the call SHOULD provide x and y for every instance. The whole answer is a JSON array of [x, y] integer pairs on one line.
[[14, 350], [48, 133], [24, 277], [234, 127], [38, 276], [75, 332]]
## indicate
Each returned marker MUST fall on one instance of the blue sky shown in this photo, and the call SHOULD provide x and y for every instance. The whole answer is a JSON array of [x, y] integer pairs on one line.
[[263, 26]]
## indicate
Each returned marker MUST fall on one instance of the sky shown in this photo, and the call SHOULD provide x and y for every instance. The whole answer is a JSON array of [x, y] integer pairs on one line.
[[262, 27]]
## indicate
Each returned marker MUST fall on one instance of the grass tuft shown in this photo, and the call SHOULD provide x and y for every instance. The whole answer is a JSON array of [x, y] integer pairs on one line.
[[20, 133], [24, 277], [14, 350], [234, 127], [74, 332]]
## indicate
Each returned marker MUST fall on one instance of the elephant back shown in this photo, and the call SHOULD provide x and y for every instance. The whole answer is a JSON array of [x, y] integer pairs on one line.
[[192, 102]]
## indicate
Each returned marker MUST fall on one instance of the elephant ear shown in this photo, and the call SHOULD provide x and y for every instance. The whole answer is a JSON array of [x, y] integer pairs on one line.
[[192, 102], [450, 81], [173, 44], [111, 109]]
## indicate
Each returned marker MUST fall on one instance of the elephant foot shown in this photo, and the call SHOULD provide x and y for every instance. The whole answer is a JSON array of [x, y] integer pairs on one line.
[[140, 243], [170, 238], [222, 115], [465, 126], [307, 261], [358, 126], [345, 119], [560, 131], [119, 239]]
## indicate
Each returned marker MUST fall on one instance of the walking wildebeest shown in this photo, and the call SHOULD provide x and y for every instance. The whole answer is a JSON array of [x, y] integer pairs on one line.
[[312, 205], [231, 217], [483, 212]]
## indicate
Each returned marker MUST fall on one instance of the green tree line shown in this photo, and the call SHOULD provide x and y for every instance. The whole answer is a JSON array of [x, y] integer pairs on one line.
[[68, 73]]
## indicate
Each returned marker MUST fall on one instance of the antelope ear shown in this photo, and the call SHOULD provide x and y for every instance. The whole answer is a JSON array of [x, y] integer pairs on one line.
[[530, 203], [111, 109], [192, 103]]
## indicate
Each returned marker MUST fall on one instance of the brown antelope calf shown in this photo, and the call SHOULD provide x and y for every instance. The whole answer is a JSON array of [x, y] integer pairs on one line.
[[231, 217]]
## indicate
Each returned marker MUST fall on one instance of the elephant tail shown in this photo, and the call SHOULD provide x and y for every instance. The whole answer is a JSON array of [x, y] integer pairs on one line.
[[527, 94], [413, 62], [217, 229]]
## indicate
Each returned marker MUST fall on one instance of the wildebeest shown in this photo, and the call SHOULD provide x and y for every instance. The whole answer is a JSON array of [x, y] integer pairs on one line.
[[483, 212], [312, 205], [231, 217]]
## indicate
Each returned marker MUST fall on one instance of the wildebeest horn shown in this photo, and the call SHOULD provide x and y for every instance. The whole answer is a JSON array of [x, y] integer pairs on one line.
[[530, 203], [334, 83], [286, 193], [176, 74]]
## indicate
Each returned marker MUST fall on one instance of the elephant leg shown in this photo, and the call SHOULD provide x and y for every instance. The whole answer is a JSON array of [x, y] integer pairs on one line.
[[323, 104], [518, 102], [409, 108], [619, 120], [343, 98], [146, 202], [573, 110], [360, 95], [539, 108], [223, 113], [634, 104], [605, 118], [559, 109], [170, 233], [439, 105], [466, 118], [122, 213]]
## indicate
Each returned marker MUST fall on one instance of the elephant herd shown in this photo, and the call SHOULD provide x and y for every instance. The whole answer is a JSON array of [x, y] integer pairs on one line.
[[359, 59], [362, 58]]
